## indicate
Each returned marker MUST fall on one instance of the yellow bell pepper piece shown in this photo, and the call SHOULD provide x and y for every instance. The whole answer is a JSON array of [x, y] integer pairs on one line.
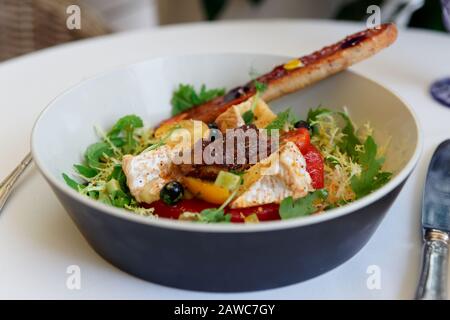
[[206, 191], [253, 218], [194, 130], [293, 64]]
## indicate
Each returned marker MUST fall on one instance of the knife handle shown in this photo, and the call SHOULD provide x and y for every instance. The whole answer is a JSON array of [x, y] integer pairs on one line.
[[433, 278]]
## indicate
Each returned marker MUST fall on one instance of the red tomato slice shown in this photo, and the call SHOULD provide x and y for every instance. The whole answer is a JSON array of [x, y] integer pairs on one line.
[[313, 157], [314, 166], [265, 212], [299, 136]]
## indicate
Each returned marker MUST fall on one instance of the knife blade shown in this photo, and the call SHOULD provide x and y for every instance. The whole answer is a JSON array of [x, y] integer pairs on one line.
[[436, 226]]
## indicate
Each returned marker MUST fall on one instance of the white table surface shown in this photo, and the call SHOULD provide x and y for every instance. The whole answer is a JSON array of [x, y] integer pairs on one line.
[[38, 241]]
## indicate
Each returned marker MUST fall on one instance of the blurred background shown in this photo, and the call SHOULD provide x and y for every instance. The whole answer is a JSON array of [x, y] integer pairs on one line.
[[30, 25]]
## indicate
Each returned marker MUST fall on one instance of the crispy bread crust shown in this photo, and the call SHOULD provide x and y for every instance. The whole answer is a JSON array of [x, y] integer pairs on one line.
[[315, 67]]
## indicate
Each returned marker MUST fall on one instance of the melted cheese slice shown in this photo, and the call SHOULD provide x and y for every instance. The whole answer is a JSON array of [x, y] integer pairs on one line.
[[148, 172], [232, 118], [281, 175]]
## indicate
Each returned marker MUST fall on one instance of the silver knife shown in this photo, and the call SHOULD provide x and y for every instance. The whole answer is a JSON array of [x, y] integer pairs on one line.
[[436, 226]]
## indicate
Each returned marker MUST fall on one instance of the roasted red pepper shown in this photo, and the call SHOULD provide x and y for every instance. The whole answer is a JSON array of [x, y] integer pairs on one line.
[[313, 157], [314, 166], [165, 210], [265, 212], [299, 136]]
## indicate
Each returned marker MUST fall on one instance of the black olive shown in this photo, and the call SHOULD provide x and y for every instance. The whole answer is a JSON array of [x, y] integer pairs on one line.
[[234, 94], [214, 134], [302, 124], [172, 192], [213, 125]]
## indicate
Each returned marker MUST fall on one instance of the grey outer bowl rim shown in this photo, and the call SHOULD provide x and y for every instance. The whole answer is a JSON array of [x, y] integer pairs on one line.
[[225, 228]]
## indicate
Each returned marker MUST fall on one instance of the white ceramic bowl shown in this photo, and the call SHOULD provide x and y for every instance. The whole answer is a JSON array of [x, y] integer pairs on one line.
[[186, 254]]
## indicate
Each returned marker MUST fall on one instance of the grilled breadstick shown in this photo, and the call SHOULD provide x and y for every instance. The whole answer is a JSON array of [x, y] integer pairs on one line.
[[300, 73]]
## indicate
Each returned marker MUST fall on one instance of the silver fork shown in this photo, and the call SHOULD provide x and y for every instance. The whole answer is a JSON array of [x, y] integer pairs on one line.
[[7, 185]]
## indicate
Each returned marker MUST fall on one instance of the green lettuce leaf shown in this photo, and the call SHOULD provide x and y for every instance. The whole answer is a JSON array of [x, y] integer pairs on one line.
[[283, 118], [290, 208], [371, 178], [185, 97]]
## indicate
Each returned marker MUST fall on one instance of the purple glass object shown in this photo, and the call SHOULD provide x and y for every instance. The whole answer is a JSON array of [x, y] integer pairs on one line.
[[440, 91], [446, 13]]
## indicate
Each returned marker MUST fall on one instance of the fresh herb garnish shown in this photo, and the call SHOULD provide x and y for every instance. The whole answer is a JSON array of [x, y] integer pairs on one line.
[[313, 116], [72, 183], [85, 171], [290, 208], [237, 172], [104, 179], [118, 174], [350, 141], [126, 124], [284, 120], [164, 139], [96, 154], [120, 199], [346, 154], [185, 97], [381, 179], [370, 177], [116, 196], [249, 115], [218, 214], [214, 215], [122, 133], [260, 86]]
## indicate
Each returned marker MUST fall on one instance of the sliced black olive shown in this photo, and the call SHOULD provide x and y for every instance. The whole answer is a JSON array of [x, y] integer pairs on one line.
[[302, 124], [214, 134], [213, 125], [234, 94], [172, 192]]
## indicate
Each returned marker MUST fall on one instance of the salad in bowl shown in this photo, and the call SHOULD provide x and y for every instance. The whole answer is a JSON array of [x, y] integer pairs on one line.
[[227, 157], [265, 182], [248, 165]]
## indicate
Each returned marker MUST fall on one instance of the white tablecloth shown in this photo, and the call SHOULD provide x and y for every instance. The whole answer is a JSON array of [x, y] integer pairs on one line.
[[38, 241]]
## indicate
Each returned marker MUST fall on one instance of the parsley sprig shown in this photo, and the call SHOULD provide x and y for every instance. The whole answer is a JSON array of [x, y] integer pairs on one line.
[[163, 140], [371, 178], [249, 115], [284, 119], [218, 214], [364, 154], [290, 208], [349, 143], [101, 175], [185, 97]]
